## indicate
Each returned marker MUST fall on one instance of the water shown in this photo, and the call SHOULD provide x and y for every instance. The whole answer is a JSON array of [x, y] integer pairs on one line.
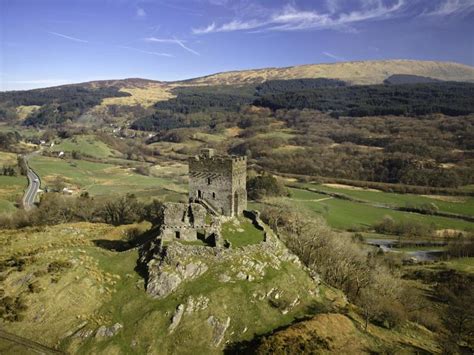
[[429, 254]]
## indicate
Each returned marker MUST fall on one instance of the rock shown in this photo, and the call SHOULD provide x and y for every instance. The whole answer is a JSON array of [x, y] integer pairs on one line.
[[224, 278], [104, 331], [75, 330], [83, 333], [241, 275], [218, 329], [193, 270], [162, 285], [176, 318], [198, 304]]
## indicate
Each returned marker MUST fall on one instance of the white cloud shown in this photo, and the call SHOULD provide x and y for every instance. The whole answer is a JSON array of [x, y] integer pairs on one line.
[[159, 54], [333, 56], [290, 18], [176, 41], [140, 12], [452, 7], [68, 37]]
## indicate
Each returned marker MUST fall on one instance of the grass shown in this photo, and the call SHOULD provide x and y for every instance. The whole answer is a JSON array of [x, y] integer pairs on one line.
[[146, 96], [454, 204], [102, 287], [11, 189], [342, 214], [241, 233], [24, 111], [84, 144], [101, 179], [7, 159], [462, 264]]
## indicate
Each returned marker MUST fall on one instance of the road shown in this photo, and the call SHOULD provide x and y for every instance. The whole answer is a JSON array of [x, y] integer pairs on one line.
[[32, 190]]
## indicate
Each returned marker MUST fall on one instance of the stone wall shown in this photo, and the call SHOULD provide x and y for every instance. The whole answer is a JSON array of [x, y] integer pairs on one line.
[[220, 181], [184, 215]]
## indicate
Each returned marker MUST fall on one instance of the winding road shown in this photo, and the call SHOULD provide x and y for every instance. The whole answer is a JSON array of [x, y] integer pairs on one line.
[[33, 187]]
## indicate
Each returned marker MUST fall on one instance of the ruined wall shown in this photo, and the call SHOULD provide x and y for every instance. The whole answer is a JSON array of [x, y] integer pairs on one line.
[[182, 221], [239, 185], [220, 181], [182, 214]]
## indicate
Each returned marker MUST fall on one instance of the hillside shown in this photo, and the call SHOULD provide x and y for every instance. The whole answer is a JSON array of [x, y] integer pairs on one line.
[[357, 73]]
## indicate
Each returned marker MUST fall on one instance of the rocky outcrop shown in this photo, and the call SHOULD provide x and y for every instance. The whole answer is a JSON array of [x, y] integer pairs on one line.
[[104, 331], [176, 318], [165, 278], [218, 329], [169, 266]]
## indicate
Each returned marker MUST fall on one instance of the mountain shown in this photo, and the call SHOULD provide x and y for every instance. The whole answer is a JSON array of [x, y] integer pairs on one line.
[[356, 73]]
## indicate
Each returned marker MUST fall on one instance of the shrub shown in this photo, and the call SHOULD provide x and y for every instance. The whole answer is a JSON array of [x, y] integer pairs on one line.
[[265, 186]]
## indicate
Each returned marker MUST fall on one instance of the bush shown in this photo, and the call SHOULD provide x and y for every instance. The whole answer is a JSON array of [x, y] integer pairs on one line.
[[265, 185]]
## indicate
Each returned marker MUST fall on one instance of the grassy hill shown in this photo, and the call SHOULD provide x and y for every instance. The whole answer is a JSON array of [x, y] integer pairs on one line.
[[357, 73], [92, 285]]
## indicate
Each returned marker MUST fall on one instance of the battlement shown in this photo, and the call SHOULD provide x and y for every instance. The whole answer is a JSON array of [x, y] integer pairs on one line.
[[219, 180], [208, 162]]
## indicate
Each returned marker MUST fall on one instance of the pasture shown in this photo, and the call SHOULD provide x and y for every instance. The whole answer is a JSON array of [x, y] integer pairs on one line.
[[343, 214], [85, 144], [100, 179]]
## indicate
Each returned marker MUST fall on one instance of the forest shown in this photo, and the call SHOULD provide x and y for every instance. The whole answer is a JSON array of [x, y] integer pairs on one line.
[[453, 99], [58, 104]]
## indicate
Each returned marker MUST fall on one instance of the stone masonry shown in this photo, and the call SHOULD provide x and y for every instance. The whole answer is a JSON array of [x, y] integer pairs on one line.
[[219, 182]]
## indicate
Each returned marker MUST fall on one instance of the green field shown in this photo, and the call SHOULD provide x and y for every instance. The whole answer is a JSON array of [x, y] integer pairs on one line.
[[342, 214], [11, 189], [453, 204], [101, 179], [87, 145]]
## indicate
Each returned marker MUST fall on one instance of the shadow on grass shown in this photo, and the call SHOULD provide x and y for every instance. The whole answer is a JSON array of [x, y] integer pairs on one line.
[[133, 241], [251, 346]]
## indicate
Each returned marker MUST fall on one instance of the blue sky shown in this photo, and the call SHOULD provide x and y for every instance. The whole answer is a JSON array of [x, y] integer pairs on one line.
[[53, 42]]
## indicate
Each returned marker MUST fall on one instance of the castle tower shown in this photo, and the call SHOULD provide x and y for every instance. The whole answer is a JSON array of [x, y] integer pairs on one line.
[[219, 181]]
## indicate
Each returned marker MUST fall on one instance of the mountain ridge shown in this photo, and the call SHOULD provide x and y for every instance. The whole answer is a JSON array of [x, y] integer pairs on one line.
[[354, 72]]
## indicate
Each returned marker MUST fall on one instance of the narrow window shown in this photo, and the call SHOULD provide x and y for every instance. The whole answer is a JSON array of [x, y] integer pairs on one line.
[[214, 195], [178, 235], [208, 181]]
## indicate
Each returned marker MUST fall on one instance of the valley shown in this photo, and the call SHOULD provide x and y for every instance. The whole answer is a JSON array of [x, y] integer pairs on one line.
[[371, 211]]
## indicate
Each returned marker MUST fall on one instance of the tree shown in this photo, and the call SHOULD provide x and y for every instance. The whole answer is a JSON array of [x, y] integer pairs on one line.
[[123, 210]]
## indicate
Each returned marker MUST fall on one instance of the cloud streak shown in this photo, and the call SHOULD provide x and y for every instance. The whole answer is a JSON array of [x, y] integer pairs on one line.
[[159, 54], [333, 56], [452, 7], [172, 41], [290, 18], [67, 37]]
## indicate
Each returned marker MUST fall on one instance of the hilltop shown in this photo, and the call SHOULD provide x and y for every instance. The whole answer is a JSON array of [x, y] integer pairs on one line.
[[355, 73]]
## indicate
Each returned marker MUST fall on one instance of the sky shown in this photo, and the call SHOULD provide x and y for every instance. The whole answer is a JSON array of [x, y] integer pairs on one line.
[[53, 42]]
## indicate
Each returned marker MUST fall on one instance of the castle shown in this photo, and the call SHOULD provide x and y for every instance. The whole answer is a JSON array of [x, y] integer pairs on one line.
[[217, 190], [219, 182]]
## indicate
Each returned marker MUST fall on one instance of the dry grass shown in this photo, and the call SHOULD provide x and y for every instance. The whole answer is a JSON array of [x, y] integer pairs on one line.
[[7, 159], [455, 199], [24, 111], [360, 73], [145, 96], [348, 187]]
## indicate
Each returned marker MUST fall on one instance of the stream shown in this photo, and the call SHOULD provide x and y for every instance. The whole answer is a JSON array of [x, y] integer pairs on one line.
[[432, 251]]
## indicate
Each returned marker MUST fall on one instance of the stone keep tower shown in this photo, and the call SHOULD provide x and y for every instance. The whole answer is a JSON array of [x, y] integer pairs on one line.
[[219, 182]]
